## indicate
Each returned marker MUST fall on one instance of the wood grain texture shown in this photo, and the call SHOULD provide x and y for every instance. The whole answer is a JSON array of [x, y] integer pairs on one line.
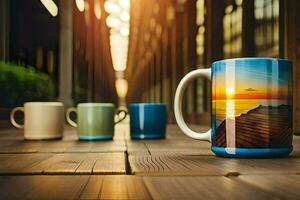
[[17, 163], [208, 187], [123, 187], [42, 187], [273, 128], [110, 163], [185, 146], [93, 188], [282, 186], [72, 187], [79, 163], [175, 168], [175, 164]]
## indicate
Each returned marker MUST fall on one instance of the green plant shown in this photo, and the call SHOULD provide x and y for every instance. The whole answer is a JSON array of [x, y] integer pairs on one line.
[[19, 84]]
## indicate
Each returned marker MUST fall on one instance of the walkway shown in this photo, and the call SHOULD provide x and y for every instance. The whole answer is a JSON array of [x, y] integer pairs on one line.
[[175, 168]]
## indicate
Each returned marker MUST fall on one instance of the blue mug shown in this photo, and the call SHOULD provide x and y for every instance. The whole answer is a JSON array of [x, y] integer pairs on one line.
[[251, 112], [148, 120]]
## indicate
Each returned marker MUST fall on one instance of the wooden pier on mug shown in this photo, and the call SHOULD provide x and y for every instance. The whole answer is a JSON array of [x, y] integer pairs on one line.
[[263, 126]]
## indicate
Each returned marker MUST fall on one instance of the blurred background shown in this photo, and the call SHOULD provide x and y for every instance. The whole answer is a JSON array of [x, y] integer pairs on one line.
[[126, 51]]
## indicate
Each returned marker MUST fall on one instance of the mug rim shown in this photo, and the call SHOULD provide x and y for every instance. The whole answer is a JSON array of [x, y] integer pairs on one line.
[[250, 59], [40, 103], [96, 104]]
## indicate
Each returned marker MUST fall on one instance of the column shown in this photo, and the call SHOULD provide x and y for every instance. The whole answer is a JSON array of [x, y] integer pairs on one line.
[[4, 30], [292, 52], [65, 52]]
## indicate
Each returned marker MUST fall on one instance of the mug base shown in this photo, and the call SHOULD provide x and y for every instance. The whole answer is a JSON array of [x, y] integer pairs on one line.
[[58, 137], [146, 136], [95, 137], [252, 152]]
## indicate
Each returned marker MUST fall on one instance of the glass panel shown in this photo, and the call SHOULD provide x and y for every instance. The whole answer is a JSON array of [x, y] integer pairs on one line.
[[266, 28], [232, 30]]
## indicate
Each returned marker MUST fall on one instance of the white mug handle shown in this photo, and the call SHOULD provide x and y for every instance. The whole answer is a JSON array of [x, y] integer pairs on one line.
[[12, 117], [198, 73]]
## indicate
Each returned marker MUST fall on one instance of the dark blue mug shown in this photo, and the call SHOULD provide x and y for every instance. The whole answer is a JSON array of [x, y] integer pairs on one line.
[[251, 112], [148, 120]]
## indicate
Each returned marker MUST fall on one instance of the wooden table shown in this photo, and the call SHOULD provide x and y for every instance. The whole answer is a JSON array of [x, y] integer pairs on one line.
[[175, 168]]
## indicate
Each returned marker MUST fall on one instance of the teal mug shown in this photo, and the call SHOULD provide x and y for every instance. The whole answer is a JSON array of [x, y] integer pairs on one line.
[[95, 121]]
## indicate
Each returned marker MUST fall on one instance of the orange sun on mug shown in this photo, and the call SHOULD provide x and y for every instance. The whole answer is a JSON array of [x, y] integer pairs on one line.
[[230, 91]]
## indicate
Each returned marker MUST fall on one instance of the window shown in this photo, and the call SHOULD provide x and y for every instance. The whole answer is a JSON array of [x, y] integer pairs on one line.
[[266, 15], [232, 30]]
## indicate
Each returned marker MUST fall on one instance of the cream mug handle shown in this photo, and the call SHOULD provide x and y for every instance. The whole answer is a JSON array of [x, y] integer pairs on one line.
[[198, 73], [12, 117], [69, 120]]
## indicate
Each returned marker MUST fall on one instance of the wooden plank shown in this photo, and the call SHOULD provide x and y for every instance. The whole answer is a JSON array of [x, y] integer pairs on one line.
[[79, 147], [58, 164], [79, 163], [93, 188], [87, 164], [282, 186], [11, 134], [17, 163], [136, 147], [109, 146], [42, 187], [207, 187], [175, 164], [72, 187], [123, 187], [56, 146], [8, 143], [183, 146], [22, 147], [110, 163], [176, 142], [263, 166]]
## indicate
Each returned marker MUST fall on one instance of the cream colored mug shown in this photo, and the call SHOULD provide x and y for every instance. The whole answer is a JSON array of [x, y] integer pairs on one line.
[[42, 120]]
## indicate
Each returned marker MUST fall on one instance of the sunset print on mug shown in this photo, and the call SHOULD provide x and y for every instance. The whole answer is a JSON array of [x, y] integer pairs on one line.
[[251, 104]]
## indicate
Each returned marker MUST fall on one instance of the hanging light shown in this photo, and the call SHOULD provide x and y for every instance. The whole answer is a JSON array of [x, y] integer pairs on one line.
[[124, 31], [80, 5], [112, 22], [118, 22], [121, 87], [125, 16], [51, 7], [111, 7], [97, 9], [125, 4]]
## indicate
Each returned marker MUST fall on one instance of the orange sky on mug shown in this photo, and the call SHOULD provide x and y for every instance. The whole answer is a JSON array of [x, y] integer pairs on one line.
[[243, 92]]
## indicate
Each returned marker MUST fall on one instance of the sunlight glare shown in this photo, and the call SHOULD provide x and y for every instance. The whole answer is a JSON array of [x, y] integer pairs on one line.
[[51, 7], [230, 91], [80, 5]]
